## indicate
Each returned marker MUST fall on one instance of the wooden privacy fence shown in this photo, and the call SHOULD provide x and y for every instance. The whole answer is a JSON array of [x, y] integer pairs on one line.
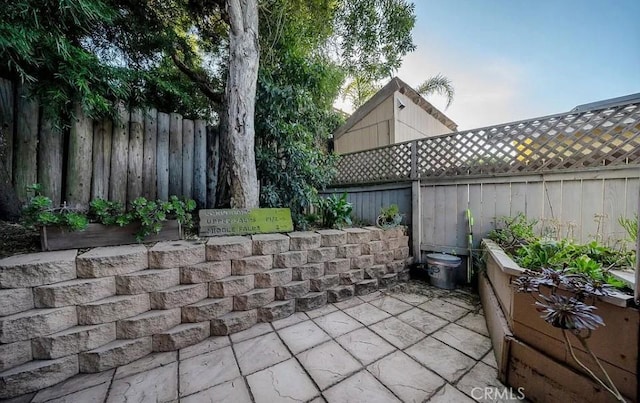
[[145, 153], [571, 141], [576, 173]]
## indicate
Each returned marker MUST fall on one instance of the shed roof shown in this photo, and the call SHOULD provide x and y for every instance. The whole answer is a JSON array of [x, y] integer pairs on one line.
[[608, 103], [388, 90]]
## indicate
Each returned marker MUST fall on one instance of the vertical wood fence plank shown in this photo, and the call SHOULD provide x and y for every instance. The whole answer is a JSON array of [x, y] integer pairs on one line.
[[534, 205], [571, 207], [440, 223], [552, 204], [162, 157], [452, 219], [187, 157], [136, 150], [614, 207], [7, 104], [200, 163], [633, 188], [119, 157], [79, 161], [518, 198], [149, 176], [175, 154], [462, 201], [50, 161], [592, 211], [101, 159], [26, 144], [213, 153], [503, 199], [475, 205], [428, 197], [487, 222]]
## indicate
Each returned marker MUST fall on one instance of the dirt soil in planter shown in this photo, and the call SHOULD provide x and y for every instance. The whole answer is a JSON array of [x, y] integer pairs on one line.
[[16, 239]]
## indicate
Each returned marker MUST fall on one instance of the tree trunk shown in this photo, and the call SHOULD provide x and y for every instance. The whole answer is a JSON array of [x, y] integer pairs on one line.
[[238, 134]]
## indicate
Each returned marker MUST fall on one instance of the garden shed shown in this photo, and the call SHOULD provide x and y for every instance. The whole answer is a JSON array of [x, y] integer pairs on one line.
[[395, 114]]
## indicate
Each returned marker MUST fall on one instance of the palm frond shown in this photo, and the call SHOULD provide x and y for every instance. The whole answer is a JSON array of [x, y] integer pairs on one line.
[[438, 84]]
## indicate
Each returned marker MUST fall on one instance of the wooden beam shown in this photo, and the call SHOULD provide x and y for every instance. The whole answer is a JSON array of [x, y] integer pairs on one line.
[[200, 163], [119, 157], [162, 157], [135, 157], [187, 157], [50, 161], [175, 154], [149, 189], [25, 159], [79, 161]]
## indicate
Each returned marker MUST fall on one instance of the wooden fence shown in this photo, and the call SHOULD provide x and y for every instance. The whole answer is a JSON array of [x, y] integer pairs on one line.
[[571, 141], [145, 153], [576, 173]]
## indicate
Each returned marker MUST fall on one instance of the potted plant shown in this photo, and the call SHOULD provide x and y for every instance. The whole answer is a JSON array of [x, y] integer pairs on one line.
[[561, 331], [106, 222], [389, 217]]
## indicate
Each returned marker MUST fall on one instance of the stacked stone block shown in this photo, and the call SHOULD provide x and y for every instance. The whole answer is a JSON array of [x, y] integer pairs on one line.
[[63, 312]]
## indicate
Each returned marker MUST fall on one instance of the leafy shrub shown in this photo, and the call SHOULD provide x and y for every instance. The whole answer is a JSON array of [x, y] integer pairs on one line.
[[335, 211]]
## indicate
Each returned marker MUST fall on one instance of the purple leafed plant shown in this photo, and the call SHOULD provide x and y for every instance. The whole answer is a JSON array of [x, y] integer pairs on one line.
[[569, 313]]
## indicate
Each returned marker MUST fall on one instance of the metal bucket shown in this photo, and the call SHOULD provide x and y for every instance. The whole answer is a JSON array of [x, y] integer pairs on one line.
[[442, 270]]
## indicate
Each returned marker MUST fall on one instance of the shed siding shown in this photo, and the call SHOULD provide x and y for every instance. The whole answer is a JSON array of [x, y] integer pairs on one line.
[[373, 130], [412, 122]]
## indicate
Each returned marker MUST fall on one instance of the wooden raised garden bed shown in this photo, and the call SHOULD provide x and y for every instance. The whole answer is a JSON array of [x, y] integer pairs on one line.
[[533, 354], [58, 238]]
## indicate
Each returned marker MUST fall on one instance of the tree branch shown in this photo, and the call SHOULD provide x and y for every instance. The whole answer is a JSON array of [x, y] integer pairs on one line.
[[199, 80]]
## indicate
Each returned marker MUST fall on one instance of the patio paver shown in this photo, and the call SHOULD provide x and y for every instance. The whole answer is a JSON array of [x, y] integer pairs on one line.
[[365, 345], [429, 346], [397, 332], [303, 336], [284, 382], [367, 314], [328, 363]]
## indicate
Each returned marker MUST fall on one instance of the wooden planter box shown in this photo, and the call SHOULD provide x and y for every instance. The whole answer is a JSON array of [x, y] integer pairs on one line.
[[58, 238], [536, 356]]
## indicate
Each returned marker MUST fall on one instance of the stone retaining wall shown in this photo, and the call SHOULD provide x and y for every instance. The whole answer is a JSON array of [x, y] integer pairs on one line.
[[62, 312]]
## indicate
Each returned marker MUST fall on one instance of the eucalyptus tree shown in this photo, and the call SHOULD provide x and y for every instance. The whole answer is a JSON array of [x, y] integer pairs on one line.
[[201, 58]]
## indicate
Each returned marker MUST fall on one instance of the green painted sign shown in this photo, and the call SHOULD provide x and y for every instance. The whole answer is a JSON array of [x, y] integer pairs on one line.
[[215, 222]]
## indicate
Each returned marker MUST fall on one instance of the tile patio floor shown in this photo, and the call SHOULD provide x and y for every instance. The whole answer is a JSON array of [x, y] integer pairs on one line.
[[430, 346]]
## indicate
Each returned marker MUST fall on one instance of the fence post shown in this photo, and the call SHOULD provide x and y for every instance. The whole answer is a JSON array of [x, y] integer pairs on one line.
[[416, 220], [636, 293], [414, 159]]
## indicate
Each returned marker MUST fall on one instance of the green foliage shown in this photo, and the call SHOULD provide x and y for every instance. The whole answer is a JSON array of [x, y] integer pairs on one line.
[[150, 214], [39, 211], [516, 236], [335, 211], [294, 111], [375, 35], [108, 212], [512, 232], [390, 212], [630, 225]]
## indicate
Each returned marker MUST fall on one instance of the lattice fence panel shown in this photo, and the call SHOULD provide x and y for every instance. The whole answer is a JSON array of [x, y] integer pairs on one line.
[[605, 137], [380, 164]]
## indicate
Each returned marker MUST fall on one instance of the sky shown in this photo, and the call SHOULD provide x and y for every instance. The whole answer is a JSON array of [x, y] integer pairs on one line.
[[517, 59]]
